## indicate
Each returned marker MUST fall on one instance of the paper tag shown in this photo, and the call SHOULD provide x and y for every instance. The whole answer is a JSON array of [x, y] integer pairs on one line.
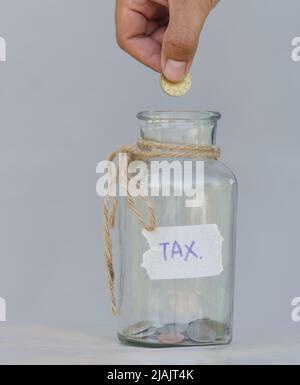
[[181, 252]]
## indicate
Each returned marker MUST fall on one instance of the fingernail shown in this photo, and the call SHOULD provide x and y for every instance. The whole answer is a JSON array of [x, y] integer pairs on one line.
[[175, 70]]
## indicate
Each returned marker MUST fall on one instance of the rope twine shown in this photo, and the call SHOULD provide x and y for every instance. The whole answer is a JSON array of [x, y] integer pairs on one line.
[[142, 150]]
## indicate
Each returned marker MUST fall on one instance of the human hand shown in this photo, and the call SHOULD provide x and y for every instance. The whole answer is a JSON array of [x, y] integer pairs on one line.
[[162, 34]]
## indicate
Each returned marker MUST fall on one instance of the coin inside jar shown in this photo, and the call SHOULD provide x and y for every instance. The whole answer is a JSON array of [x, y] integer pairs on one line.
[[148, 333], [139, 327], [171, 338], [219, 328], [173, 328], [201, 331], [176, 89]]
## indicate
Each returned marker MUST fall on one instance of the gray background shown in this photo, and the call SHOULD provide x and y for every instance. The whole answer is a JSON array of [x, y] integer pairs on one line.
[[68, 96]]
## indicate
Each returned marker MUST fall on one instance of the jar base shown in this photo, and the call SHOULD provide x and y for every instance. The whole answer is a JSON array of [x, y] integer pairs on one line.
[[200, 333]]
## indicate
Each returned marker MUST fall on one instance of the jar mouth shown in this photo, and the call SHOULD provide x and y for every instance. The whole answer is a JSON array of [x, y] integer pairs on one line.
[[179, 115]]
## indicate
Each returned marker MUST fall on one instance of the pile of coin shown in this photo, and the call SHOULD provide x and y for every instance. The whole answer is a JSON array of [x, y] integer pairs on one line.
[[196, 332]]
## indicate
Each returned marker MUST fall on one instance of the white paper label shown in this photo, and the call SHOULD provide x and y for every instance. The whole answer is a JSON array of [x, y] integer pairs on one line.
[[181, 252]]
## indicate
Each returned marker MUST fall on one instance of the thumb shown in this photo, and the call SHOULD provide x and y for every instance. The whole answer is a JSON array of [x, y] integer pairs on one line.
[[181, 39]]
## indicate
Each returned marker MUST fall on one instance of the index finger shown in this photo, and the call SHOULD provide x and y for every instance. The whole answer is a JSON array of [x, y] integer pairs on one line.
[[140, 29]]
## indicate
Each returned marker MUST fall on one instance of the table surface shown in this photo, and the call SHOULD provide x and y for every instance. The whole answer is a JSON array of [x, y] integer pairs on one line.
[[37, 345]]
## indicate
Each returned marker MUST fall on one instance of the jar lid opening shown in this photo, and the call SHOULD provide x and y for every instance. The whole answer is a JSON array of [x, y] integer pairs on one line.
[[179, 115]]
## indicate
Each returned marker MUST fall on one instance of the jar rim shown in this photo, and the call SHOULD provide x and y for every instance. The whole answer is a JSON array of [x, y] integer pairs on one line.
[[179, 115]]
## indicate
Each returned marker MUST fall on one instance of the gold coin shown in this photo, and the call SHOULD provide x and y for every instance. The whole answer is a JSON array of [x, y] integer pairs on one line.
[[176, 89]]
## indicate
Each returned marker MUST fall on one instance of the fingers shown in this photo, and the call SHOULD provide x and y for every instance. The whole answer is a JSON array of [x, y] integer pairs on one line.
[[140, 30], [162, 34], [181, 39]]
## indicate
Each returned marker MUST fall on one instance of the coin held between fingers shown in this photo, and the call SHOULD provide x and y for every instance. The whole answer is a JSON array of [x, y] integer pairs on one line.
[[176, 89]]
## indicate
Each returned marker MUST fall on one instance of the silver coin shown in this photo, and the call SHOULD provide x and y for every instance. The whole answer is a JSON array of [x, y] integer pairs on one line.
[[201, 331], [219, 328], [148, 333], [138, 328]]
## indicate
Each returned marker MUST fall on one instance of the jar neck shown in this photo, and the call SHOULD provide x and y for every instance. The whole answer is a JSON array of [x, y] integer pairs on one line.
[[184, 128]]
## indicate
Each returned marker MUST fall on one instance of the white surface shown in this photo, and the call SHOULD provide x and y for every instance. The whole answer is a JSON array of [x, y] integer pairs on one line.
[[44, 345]]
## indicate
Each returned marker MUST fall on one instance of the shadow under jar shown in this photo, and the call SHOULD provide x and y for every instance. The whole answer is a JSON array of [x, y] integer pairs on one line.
[[162, 303]]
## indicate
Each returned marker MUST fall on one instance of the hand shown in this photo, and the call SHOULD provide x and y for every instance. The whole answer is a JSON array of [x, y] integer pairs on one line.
[[162, 34]]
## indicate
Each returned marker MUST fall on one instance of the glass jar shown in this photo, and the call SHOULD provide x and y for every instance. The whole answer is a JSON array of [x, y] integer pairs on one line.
[[190, 302]]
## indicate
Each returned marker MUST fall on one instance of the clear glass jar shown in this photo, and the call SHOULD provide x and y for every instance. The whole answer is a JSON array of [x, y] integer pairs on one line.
[[186, 311]]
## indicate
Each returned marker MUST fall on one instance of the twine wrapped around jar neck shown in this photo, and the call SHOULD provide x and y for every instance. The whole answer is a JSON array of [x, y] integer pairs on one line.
[[143, 150]]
